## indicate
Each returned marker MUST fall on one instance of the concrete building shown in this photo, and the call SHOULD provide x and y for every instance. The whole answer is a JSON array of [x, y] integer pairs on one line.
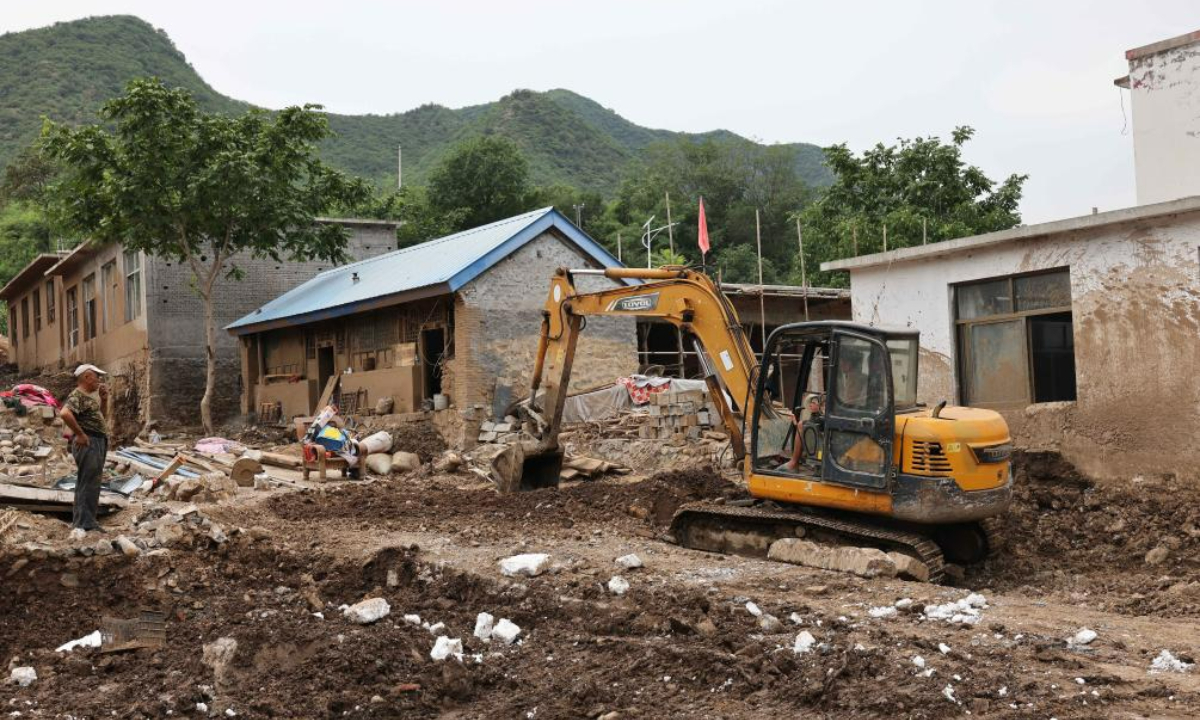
[[456, 317], [1164, 85], [1084, 333], [137, 317], [759, 307]]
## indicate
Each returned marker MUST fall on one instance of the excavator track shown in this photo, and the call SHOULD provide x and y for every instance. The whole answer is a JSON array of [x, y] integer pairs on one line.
[[750, 531]]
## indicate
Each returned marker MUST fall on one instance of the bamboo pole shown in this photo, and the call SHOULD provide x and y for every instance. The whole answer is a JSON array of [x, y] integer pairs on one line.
[[854, 238], [803, 274], [670, 230], [924, 233], [619, 247], [762, 300], [885, 237]]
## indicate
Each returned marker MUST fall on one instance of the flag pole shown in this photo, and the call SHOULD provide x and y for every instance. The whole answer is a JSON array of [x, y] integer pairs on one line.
[[803, 274]]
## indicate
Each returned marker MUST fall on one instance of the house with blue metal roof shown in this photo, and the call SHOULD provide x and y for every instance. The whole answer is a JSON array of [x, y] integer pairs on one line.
[[449, 322]]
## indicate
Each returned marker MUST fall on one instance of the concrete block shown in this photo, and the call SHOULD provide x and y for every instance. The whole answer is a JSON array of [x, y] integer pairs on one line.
[[909, 567], [864, 562], [487, 437], [367, 611]]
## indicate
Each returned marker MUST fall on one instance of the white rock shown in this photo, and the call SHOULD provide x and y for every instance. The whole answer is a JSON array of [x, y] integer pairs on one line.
[[484, 622], [976, 600], [23, 676], [804, 643], [412, 619], [618, 585], [918, 661], [437, 628], [948, 692], [796, 618], [88, 641], [368, 611], [753, 609], [1167, 662], [943, 648], [884, 611], [1003, 692], [444, 647], [903, 603], [770, 624], [506, 631], [630, 561], [202, 708], [1084, 637], [528, 565]]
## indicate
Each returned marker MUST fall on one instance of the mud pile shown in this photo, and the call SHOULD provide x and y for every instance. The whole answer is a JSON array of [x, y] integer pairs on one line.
[[1132, 547]]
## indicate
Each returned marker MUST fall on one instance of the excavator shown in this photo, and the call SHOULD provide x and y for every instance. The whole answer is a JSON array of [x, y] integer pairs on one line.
[[826, 428]]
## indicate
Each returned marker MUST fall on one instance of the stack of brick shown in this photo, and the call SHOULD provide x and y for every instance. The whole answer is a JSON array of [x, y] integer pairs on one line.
[[504, 432], [679, 416]]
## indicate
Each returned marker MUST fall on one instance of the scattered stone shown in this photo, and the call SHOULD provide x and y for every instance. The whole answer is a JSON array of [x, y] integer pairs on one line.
[[449, 462], [127, 546], [770, 624], [753, 608], [918, 661], [168, 533], [393, 578], [413, 619], [1084, 637], [1167, 662], [218, 655], [963, 612], [506, 631], [804, 643], [484, 623], [405, 462], [436, 628], [706, 627], [630, 561], [943, 648], [368, 611], [68, 580], [527, 565], [909, 567], [618, 585], [444, 647], [885, 611], [23, 676], [379, 463], [104, 547], [864, 562], [1158, 555]]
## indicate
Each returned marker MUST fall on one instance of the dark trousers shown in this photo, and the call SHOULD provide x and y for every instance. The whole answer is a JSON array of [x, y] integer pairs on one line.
[[89, 462]]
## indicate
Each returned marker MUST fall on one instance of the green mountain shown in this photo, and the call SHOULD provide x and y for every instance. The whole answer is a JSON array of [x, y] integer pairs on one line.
[[66, 71]]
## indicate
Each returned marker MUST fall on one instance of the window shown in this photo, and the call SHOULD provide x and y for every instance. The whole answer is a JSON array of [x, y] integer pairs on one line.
[[49, 302], [12, 324], [1016, 344], [24, 317], [37, 310], [110, 286], [73, 317], [132, 262], [89, 307]]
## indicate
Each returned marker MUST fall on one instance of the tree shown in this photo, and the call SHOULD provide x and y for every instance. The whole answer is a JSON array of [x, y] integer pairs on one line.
[[918, 186], [739, 264], [410, 206], [485, 178], [167, 179], [27, 177]]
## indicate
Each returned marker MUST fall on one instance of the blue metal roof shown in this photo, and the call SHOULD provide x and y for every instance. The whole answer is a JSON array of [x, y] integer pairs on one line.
[[434, 267]]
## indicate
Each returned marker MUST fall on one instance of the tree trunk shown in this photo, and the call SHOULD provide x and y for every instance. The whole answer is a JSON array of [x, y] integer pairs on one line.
[[210, 369]]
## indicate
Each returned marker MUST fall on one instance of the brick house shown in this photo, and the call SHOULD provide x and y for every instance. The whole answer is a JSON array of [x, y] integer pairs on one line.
[[456, 316], [137, 317]]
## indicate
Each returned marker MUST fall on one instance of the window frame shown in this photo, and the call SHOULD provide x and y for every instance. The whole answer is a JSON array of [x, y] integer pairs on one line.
[[133, 283], [72, 303], [50, 303], [109, 286], [25, 318], [89, 314], [962, 332]]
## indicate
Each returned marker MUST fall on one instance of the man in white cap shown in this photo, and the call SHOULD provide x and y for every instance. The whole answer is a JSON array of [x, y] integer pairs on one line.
[[86, 413]]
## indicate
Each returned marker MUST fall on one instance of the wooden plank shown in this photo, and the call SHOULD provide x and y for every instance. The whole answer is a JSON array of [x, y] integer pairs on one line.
[[168, 471], [327, 394], [281, 460], [32, 495]]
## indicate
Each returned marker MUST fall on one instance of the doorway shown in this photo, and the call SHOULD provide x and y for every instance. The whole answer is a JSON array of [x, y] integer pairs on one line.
[[325, 368], [433, 348]]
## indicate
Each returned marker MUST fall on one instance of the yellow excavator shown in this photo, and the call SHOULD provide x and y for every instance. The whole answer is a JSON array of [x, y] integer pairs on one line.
[[826, 428]]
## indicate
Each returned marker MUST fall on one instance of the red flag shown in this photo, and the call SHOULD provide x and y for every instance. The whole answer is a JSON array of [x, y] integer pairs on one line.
[[703, 234]]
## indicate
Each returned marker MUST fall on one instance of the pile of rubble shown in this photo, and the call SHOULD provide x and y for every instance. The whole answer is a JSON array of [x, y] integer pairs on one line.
[[678, 416]]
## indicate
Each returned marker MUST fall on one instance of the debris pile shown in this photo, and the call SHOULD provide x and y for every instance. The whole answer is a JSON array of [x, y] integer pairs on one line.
[[678, 416]]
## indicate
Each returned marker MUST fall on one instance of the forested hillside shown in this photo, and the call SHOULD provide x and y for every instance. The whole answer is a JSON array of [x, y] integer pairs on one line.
[[66, 71]]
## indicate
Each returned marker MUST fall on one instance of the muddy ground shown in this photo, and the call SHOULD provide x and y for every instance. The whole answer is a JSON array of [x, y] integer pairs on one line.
[[679, 643]]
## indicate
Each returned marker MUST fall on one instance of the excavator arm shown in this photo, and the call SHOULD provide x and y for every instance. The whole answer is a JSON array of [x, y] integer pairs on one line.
[[682, 297]]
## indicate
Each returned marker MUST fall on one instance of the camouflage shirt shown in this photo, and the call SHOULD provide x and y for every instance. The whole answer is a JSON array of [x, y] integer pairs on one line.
[[86, 409]]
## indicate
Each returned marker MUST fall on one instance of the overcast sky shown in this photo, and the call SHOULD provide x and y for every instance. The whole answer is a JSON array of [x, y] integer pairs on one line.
[[1033, 77]]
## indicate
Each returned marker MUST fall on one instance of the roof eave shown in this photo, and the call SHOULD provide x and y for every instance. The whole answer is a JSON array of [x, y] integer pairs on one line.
[[332, 313]]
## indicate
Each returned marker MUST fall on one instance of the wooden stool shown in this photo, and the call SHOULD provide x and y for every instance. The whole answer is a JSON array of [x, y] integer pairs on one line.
[[323, 462]]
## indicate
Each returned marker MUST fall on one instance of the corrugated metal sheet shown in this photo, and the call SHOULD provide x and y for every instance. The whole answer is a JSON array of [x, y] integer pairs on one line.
[[441, 265]]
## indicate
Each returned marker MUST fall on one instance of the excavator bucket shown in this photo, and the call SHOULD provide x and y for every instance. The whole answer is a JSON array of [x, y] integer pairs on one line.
[[523, 466]]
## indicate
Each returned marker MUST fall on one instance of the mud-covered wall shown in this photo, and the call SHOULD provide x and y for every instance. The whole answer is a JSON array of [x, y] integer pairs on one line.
[[1135, 302], [498, 317]]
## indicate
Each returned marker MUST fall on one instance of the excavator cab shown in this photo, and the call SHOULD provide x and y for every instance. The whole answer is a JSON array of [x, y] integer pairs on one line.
[[826, 402]]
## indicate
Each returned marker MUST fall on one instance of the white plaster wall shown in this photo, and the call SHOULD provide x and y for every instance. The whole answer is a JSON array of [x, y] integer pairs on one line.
[[1136, 309], [1165, 90]]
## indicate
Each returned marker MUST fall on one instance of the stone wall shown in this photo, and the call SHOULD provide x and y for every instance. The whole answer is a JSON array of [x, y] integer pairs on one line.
[[498, 317], [175, 322]]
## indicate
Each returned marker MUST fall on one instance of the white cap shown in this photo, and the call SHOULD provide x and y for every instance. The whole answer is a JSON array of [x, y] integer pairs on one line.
[[88, 366]]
